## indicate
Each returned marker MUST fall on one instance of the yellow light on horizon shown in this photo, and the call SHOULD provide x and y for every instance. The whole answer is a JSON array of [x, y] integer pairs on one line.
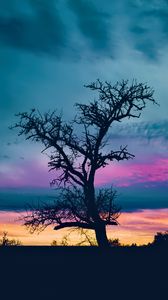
[[136, 227]]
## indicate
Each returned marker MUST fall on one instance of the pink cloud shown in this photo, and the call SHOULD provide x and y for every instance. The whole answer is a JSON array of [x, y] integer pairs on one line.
[[125, 174], [35, 173], [140, 226]]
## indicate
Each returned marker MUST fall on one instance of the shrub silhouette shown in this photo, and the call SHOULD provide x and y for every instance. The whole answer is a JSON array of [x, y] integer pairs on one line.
[[5, 241], [161, 239], [114, 242]]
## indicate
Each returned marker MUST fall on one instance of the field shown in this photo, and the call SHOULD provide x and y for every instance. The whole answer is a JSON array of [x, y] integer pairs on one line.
[[83, 272]]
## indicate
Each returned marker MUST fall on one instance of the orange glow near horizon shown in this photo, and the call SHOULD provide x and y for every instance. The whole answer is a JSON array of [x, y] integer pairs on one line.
[[135, 227]]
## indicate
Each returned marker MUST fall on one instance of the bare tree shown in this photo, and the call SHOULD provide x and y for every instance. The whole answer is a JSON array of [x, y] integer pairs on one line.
[[78, 149]]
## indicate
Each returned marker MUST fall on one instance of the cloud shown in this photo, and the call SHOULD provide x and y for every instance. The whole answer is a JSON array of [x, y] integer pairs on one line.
[[94, 25], [132, 172], [148, 22], [142, 130], [41, 31], [14, 199], [5, 156], [140, 24], [48, 27], [16, 142], [24, 173]]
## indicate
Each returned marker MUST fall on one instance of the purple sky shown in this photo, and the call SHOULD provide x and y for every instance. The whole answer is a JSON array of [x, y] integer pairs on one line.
[[148, 141]]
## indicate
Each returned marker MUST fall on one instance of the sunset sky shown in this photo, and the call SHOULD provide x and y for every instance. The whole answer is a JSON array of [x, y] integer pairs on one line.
[[48, 51]]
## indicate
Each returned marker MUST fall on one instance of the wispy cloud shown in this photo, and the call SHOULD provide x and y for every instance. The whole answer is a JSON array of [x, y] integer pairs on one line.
[[147, 25], [93, 24], [156, 170], [46, 26], [24, 173], [140, 226], [142, 130], [38, 28]]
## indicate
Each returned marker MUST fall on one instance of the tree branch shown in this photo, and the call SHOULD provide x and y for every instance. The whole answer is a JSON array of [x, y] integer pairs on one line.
[[74, 224]]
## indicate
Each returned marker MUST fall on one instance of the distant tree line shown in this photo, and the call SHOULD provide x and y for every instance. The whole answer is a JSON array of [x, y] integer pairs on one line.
[[160, 240]]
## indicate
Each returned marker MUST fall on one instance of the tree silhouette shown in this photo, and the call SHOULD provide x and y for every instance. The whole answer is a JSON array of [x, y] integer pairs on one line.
[[5, 241], [161, 239], [78, 151], [114, 243]]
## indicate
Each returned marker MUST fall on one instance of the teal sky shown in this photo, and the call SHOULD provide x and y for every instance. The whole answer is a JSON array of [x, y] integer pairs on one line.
[[50, 49]]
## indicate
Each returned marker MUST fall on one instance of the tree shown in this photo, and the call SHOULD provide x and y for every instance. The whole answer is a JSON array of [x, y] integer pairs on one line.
[[115, 243], [78, 150], [5, 241], [161, 239]]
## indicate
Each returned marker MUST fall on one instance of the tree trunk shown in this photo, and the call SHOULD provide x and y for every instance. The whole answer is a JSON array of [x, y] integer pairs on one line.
[[101, 236], [100, 228]]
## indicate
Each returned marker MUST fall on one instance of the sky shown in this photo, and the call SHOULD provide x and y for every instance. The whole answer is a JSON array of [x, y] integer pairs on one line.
[[138, 227], [50, 49]]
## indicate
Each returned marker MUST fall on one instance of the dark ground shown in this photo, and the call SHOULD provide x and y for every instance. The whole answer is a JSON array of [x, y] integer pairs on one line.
[[83, 273]]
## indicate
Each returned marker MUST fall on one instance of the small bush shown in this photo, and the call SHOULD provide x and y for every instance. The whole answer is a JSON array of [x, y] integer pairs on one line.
[[6, 242]]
